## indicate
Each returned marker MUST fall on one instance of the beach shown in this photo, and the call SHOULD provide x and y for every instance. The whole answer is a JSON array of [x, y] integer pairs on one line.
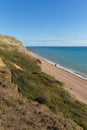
[[76, 85]]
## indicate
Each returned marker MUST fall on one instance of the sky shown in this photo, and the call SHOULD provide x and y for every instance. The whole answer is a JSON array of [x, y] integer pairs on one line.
[[45, 22]]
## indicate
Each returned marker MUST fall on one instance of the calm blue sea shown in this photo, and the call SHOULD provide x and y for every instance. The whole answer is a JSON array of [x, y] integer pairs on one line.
[[72, 58]]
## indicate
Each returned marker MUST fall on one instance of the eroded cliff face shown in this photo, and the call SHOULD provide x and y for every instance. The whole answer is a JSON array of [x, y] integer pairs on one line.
[[16, 111]]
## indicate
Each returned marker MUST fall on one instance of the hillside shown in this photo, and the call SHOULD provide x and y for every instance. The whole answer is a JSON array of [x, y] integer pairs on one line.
[[31, 99]]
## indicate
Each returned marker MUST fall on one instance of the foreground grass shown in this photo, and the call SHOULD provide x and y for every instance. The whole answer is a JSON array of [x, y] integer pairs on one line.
[[40, 87]]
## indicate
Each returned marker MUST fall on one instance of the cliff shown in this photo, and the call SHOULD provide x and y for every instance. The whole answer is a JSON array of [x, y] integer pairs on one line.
[[30, 99], [7, 42]]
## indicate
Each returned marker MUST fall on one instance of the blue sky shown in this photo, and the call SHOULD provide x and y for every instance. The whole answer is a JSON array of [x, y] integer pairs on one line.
[[45, 22]]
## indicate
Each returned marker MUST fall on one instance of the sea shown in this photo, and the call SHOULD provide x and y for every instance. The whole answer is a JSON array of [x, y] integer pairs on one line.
[[72, 59]]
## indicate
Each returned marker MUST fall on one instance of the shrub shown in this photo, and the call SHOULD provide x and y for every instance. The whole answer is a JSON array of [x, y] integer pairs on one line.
[[41, 100]]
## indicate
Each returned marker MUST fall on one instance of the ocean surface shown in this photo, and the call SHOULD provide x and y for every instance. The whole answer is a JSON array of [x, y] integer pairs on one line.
[[73, 59]]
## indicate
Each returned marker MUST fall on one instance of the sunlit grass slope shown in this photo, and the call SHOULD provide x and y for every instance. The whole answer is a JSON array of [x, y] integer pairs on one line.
[[40, 87]]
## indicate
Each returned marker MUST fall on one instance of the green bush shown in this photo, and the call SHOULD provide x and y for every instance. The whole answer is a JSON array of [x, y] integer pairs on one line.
[[41, 100]]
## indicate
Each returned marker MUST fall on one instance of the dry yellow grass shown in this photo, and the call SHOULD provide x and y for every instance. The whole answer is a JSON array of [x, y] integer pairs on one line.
[[17, 66], [2, 64]]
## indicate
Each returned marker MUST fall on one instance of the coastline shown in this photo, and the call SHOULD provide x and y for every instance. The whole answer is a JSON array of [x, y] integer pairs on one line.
[[60, 66], [73, 82], [66, 69]]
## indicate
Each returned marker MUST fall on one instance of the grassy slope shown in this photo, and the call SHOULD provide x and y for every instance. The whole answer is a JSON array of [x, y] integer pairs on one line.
[[38, 86]]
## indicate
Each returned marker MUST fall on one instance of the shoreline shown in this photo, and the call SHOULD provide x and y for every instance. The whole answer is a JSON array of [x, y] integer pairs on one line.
[[66, 69], [61, 67], [73, 82]]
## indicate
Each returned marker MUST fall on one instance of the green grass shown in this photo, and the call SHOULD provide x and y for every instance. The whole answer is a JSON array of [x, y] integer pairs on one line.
[[40, 87]]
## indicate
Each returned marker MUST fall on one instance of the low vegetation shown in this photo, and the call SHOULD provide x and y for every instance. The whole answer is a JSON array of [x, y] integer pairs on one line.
[[40, 87]]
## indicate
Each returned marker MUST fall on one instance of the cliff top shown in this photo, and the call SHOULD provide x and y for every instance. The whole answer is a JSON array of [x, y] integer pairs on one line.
[[11, 43]]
